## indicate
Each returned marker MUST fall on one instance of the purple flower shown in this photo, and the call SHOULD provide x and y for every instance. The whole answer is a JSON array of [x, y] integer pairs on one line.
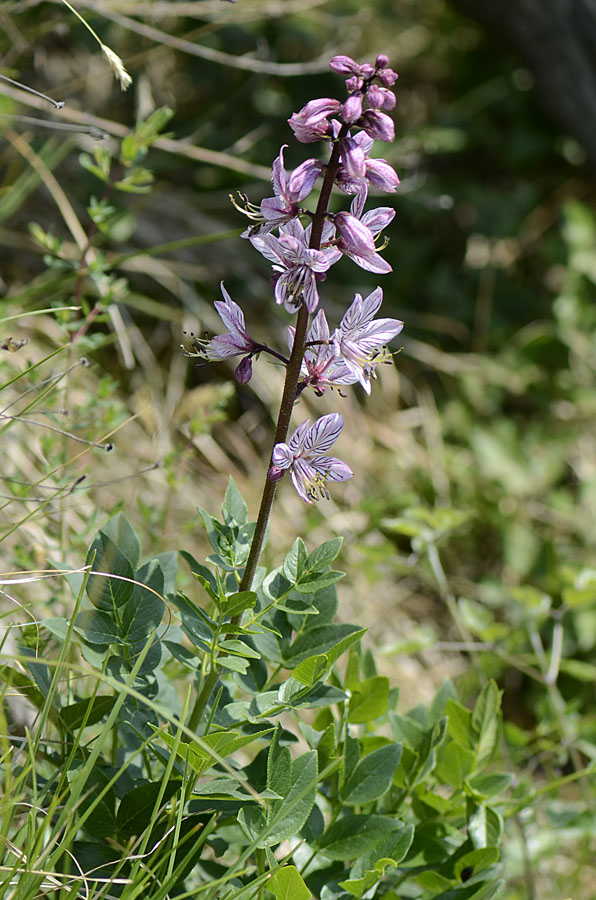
[[359, 340], [289, 192], [303, 456], [357, 234], [296, 266], [235, 342], [358, 171], [310, 124], [321, 367]]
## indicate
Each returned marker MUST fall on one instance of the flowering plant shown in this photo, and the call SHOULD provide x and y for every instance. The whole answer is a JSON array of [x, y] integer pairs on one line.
[[139, 790], [302, 251]]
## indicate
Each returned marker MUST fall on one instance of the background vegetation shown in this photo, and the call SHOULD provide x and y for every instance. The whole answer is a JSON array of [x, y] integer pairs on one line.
[[470, 523]]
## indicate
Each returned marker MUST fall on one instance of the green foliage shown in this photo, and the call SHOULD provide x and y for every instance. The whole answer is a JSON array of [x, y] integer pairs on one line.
[[212, 789]]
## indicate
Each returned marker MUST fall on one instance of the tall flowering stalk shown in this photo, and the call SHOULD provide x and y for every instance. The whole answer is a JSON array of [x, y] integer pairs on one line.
[[302, 246]]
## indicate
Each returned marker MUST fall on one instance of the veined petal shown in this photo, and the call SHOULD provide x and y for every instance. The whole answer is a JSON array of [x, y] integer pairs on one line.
[[324, 432], [282, 456], [278, 173], [268, 246], [231, 315], [377, 219], [371, 263], [378, 333], [296, 442], [333, 468]]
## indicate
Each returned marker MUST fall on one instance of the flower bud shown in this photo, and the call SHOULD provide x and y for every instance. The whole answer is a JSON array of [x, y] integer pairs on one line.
[[380, 98], [243, 371], [381, 175], [275, 473], [354, 84], [388, 77], [344, 65], [355, 236], [382, 61], [353, 158], [379, 126], [352, 109]]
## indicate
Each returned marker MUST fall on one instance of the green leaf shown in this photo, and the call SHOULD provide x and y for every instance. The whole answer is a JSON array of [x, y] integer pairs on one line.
[[295, 561], [97, 627], [369, 701], [144, 608], [476, 860], [459, 724], [106, 593], [318, 581], [73, 715], [137, 808], [455, 764], [239, 647], [286, 883], [279, 765], [372, 776], [359, 886], [324, 639], [234, 509], [223, 743], [485, 721], [324, 554], [289, 815], [102, 820], [197, 626], [123, 535], [490, 785], [238, 602], [353, 835], [311, 670], [484, 825], [233, 663]]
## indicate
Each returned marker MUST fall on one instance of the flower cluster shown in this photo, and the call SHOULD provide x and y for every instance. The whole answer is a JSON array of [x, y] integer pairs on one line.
[[302, 246]]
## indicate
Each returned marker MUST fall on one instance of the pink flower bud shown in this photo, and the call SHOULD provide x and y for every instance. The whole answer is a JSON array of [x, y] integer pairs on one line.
[[352, 109], [388, 77], [344, 65], [243, 371], [382, 61], [353, 158], [381, 175], [355, 237], [380, 98], [354, 84], [379, 126], [275, 473]]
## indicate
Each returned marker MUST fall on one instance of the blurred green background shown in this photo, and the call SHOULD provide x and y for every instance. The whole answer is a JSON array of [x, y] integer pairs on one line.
[[479, 443]]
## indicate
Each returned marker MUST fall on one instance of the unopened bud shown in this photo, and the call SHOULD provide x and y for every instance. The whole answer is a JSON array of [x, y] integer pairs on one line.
[[275, 473], [243, 371]]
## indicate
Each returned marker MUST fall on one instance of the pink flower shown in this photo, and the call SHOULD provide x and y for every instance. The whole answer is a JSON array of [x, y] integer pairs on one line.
[[359, 340], [303, 455], [295, 265], [310, 124], [357, 234], [289, 192], [321, 367]]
